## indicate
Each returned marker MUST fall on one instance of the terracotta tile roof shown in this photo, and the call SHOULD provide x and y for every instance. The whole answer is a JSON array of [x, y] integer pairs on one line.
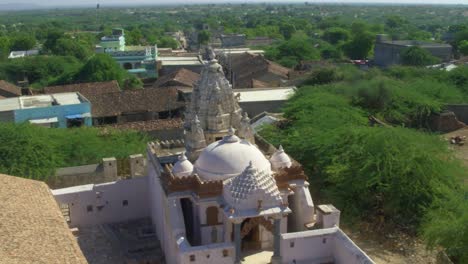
[[86, 89], [139, 100], [182, 77], [9, 90], [248, 66], [32, 228], [151, 125]]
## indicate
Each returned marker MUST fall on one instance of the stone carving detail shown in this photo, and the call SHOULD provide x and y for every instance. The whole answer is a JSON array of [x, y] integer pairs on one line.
[[213, 103]]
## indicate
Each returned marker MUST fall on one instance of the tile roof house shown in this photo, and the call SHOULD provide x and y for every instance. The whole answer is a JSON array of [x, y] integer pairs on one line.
[[86, 89], [155, 100], [32, 227], [253, 71], [181, 77], [8, 90], [111, 105]]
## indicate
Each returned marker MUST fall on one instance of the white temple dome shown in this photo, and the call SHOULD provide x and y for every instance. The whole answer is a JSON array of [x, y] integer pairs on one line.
[[228, 158], [280, 159], [252, 189], [183, 167]]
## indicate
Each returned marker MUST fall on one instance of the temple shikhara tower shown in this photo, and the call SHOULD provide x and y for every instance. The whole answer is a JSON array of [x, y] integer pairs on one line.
[[223, 193], [212, 109]]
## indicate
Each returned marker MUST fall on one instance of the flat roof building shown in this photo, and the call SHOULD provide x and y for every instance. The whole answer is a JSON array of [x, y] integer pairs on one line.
[[54, 110], [387, 52]]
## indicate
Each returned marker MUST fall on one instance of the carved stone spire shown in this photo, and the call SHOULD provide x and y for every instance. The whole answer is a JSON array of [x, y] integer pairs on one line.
[[194, 139], [246, 131], [214, 103]]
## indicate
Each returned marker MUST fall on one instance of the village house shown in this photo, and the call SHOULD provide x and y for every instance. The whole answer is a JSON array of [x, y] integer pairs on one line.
[[138, 60], [53, 110], [110, 105], [387, 52], [248, 70]]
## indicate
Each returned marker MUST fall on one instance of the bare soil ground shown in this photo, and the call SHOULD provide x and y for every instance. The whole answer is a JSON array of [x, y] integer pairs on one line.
[[391, 248]]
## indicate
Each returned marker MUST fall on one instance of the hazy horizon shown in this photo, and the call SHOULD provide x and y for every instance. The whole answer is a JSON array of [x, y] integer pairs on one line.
[[91, 3]]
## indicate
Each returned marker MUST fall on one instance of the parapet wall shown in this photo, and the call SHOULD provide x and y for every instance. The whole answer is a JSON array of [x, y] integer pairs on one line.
[[328, 245], [109, 170]]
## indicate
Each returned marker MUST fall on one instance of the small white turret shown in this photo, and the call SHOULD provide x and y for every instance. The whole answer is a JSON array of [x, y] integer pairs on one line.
[[183, 167], [280, 159]]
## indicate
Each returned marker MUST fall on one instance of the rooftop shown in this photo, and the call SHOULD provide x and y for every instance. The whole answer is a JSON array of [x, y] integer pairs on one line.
[[86, 89], [38, 101], [151, 125], [181, 77], [183, 60], [32, 228], [409, 43], [9, 88], [138, 100], [265, 94]]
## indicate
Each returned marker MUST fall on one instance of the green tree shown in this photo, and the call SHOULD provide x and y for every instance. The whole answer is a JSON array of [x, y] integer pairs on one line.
[[51, 40], [335, 35], [287, 30], [23, 42], [445, 225], [463, 47], [393, 22], [4, 47], [100, 68], [167, 42], [417, 56], [35, 158], [133, 37], [360, 46], [204, 37], [71, 47]]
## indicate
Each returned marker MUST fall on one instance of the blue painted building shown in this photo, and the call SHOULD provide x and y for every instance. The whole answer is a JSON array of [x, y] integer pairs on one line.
[[54, 110]]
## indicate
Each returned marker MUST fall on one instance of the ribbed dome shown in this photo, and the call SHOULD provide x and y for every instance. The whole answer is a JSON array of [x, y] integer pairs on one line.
[[280, 159], [252, 187], [183, 167], [228, 158]]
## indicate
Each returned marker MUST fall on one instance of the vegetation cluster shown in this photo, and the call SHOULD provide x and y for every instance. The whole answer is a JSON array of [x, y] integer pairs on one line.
[[393, 175], [35, 152]]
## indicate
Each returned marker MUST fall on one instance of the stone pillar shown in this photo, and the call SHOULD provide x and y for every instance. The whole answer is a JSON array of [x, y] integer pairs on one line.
[[110, 168], [276, 258], [237, 241], [137, 165]]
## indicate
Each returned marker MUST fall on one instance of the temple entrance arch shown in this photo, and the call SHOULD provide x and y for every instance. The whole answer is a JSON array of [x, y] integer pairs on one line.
[[251, 232]]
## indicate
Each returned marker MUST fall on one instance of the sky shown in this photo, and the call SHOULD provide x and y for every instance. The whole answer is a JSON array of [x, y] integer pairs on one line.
[[155, 2]]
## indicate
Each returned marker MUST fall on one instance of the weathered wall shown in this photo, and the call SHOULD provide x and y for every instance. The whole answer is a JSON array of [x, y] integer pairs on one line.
[[7, 116], [255, 108], [105, 203], [326, 245], [460, 110], [79, 175], [167, 134], [386, 54]]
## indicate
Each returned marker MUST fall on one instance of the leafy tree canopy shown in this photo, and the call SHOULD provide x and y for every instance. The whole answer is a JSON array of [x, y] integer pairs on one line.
[[44, 150], [417, 56]]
